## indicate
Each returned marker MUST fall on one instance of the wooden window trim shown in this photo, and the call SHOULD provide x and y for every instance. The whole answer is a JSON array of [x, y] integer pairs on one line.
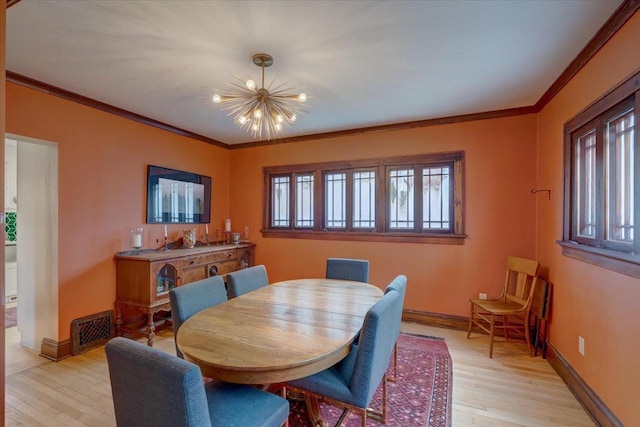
[[621, 262], [454, 236]]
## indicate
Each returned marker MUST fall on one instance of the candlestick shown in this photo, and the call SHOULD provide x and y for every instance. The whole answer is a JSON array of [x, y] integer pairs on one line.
[[227, 225], [165, 230], [206, 228]]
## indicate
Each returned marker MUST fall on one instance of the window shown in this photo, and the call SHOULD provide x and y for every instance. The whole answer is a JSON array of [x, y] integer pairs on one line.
[[304, 201], [416, 198], [601, 175]]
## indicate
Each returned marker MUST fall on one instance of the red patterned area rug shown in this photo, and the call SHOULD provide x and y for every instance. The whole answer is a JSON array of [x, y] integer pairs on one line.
[[420, 397]]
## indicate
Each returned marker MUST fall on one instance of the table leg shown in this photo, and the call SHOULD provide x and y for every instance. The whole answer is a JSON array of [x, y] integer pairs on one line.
[[313, 409]]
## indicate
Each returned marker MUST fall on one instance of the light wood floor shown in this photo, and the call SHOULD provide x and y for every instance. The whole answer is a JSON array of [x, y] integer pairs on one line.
[[512, 389]]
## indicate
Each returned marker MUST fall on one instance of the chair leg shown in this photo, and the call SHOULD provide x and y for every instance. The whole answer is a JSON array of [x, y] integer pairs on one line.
[[527, 335], [344, 414], [504, 328], [395, 363], [470, 321], [491, 332], [380, 416], [384, 401]]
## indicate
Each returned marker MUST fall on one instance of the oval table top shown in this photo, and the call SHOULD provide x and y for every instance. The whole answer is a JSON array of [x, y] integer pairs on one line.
[[280, 332]]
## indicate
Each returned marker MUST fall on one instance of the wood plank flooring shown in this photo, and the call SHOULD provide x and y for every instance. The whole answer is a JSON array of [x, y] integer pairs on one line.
[[512, 389]]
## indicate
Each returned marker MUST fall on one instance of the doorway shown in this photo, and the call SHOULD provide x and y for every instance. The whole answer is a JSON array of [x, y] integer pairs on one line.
[[31, 204]]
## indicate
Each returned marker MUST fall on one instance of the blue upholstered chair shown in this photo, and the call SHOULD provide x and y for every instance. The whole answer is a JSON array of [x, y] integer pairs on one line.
[[193, 297], [352, 382], [348, 269], [154, 388], [246, 280], [399, 284]]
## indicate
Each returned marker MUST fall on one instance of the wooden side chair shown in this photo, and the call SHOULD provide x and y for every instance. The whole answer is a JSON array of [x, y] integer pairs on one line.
[[348, 269], [352, 382], [193, 297], [510, 312], [399, 284], [246, 280], [154, 388]]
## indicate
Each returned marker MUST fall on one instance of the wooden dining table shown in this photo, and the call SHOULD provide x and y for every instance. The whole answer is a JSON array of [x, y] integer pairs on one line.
[[277, 333]]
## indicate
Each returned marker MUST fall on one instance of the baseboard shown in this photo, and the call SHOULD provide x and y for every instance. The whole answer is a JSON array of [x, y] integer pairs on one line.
[[448, 321], [55, 350], [598, 410]]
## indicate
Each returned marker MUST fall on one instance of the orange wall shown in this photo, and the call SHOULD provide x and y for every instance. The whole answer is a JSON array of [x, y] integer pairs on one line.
[[102, 189], [598, 304], [500, 210]]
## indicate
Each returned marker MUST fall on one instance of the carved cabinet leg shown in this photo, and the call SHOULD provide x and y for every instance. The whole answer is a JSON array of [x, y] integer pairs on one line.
[[151, 329]]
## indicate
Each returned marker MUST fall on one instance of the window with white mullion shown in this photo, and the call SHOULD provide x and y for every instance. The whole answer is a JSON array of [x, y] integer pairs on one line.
[[364, 200], [585, 185], [602, 168], [304, 201], [335, 205], [620, 179], [401, 199], [280, 195], [367, 199], [436, 196]]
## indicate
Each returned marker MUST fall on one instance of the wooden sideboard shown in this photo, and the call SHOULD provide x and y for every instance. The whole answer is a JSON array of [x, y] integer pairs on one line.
[[143, 281]]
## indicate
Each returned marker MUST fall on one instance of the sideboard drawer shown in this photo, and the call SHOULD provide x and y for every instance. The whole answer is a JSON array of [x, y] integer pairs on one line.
[[191, 261]]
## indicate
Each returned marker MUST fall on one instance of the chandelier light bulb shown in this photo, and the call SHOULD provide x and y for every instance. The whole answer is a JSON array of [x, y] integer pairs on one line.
[[279, 119], [217, 98], [278, 126], [257, 113], [255, 127], [293, 117], [251, 85], [302, 97], [242, 119]]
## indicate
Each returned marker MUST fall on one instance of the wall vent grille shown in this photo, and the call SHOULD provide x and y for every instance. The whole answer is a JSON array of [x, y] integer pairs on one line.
[[92, 331]]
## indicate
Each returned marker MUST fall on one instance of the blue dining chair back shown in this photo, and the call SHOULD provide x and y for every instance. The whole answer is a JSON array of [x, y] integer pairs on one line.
[[246, 280], [154, 388], [189, 299], [399, 284], [348, 269], [352, 382]]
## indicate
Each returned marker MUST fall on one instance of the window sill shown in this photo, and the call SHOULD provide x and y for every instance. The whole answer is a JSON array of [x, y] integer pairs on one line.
[[441, 239], [623, 263]]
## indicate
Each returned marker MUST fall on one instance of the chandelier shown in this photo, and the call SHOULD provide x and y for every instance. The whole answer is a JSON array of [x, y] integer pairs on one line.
[[263, 111]]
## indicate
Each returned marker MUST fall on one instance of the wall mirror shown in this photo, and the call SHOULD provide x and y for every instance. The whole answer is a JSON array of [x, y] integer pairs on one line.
[[177, 197]]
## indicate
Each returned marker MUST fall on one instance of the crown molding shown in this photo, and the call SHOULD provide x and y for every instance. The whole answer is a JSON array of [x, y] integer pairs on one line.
[[394, 126], [624, 12], [89, 102]]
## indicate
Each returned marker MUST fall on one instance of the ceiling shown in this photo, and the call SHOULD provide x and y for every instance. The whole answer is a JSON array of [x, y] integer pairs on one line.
[[362, 63]]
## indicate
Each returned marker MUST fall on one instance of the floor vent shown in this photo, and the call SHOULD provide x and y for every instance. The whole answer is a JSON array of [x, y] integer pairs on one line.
[[92, 331]]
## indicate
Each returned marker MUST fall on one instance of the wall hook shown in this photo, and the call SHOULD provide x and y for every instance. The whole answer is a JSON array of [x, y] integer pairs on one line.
[[534, 191]]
